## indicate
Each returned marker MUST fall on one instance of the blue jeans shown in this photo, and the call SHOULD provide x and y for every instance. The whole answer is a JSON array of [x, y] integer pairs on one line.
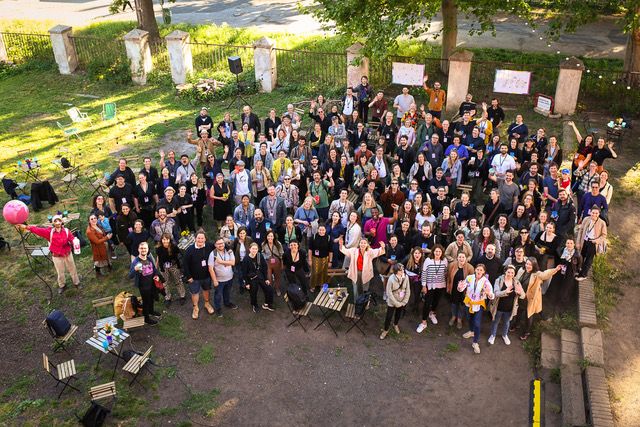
[[458, 310], [475, 320], [506, 317], [222, 292]]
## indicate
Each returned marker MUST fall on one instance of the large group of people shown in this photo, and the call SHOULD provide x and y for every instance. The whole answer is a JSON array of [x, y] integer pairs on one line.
[[471, 210]]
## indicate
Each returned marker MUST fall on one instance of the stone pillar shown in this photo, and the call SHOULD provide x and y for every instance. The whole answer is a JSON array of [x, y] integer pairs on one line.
[[458, 82], [139, 53], [568, 86], [180, 58], [355, 72], [265, 65], [64, 51], [3, 50]]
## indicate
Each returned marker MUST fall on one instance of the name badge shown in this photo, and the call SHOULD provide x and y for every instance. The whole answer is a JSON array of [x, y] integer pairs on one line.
[[401, 161], [392, 257], [273, 260], [317, 253], [130, 229], [268, 226], [424, 178], [257, 235], [401, 294], [424, 246], [124, 200], [146, 199], [293, 268], [203, 263], [433, 155]]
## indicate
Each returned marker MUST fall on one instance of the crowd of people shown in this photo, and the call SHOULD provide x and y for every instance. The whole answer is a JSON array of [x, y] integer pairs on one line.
[[472, 210]]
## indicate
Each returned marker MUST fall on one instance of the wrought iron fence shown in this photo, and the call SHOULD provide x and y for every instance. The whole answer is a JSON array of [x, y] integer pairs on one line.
[[381, 71], [99, 51], [543, 80], [160, 56], [213, 57], [609, 90], [24, 47], [312, 70]]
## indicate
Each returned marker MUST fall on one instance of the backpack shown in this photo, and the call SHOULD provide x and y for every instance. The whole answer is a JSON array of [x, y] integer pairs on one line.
[[65, 163], [53, 229], [4, 244], [363, 300], [296, 296], [95, 415], [126, 306], [58, 323]]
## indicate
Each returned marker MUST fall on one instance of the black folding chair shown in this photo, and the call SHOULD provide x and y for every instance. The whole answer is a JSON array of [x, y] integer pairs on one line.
[[297, 314], [356, 319], [63, 371]]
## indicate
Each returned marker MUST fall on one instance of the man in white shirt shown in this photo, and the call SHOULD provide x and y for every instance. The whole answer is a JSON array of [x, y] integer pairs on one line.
[[241, 182], [402, 103], [502, 163], [380, 163], [221, 262], [349, 102], [186, 168]]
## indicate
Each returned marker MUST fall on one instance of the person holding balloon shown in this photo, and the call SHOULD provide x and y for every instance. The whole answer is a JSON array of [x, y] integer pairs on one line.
[[60, 245]]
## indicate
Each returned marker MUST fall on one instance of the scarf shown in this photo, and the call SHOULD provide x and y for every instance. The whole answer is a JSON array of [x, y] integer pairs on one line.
[[567, 255]]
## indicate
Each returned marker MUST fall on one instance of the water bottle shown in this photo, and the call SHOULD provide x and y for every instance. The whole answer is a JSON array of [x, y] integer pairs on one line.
[[105, 345], [76, 246]]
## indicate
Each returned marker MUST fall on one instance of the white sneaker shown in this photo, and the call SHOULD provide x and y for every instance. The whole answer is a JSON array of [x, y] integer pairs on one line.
[[506, 340], [492, 339], [433, 318], [467, 334], [421, 327], [476, 348]]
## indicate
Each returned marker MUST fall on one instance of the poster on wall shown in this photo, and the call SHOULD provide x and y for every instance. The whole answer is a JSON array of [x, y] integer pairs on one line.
[[510, 81], [407, 74]]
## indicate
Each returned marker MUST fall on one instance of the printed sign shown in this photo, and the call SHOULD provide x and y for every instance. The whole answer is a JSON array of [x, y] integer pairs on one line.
[[509, 81], [407, 74]]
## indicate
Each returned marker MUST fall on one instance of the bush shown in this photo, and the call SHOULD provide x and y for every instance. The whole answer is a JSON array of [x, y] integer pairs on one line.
[[116, 71], [248, 85]]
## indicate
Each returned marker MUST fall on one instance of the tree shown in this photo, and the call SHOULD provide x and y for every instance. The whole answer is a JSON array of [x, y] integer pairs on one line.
[[144, 14], [381, 23]]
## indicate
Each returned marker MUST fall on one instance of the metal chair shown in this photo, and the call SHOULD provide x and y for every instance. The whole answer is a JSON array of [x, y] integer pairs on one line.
[[62, 342], [298, 314], [137, 362], [109, 111], [78, 116], [63, 371], [69, 131]]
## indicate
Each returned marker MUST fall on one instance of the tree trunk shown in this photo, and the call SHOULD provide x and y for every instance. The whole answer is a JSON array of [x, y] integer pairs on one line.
[[147, 19], [449, 32], [632, 58]]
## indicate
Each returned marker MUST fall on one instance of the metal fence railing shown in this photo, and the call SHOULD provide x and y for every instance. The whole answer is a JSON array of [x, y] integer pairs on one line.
[[213, 57], [24, 47], [99, 51], [160, 56], [609, 90], [543, 80], [312, 69]]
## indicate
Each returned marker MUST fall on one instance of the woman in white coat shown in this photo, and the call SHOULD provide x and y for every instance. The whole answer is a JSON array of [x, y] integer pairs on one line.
[[398, 293], [361, 264], [352, 235]]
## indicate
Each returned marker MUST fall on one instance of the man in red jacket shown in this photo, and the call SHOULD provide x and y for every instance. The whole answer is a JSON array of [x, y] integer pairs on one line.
[[60, 245]]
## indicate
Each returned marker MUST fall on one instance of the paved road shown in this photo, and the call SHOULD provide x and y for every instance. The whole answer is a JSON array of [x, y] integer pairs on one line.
[[602, 39]]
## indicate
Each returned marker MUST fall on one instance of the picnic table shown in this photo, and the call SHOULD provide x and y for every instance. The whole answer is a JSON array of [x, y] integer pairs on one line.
[[115, 348], [330, 303], [186, 241]]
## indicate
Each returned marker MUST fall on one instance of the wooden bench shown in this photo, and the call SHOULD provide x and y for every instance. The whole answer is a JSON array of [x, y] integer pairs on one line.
[[298, 314], [136, 363], [336, 272], [135, 322]]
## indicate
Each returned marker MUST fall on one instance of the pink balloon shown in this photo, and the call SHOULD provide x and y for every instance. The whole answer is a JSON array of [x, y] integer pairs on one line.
[[15, 212]]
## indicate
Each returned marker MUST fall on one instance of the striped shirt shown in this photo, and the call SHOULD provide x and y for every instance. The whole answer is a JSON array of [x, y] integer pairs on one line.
[[434, 273]]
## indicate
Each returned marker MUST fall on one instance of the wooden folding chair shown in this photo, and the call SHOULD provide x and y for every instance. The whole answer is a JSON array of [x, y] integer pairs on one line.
[[63, 371], [134, 322], [103, 391], [61, 342], [298, 314], [70, 204], [103, 302], [136, 363], [98, 183], [355, 319]]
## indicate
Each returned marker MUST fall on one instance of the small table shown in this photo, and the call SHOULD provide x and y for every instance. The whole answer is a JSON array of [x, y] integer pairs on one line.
[[31, 171], [186, 241], [330, 303], [115, 348]]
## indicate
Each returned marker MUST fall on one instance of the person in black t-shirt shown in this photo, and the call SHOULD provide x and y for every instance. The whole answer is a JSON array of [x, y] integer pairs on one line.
[[144, 271], [495, 114], [204, 122], [120, 194]]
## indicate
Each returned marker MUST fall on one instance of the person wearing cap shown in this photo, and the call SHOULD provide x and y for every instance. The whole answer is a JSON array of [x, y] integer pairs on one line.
[[240, 180], [289, 193], [204, 146], [60, 244], [204, 122], [169, 202], [125, 171], [120, 193]]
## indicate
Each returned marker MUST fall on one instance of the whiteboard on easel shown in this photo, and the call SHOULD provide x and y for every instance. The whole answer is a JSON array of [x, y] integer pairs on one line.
[[510, 81], [407, 74]]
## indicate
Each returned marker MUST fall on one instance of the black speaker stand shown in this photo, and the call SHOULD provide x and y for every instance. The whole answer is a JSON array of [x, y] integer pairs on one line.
[[238, 95]]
